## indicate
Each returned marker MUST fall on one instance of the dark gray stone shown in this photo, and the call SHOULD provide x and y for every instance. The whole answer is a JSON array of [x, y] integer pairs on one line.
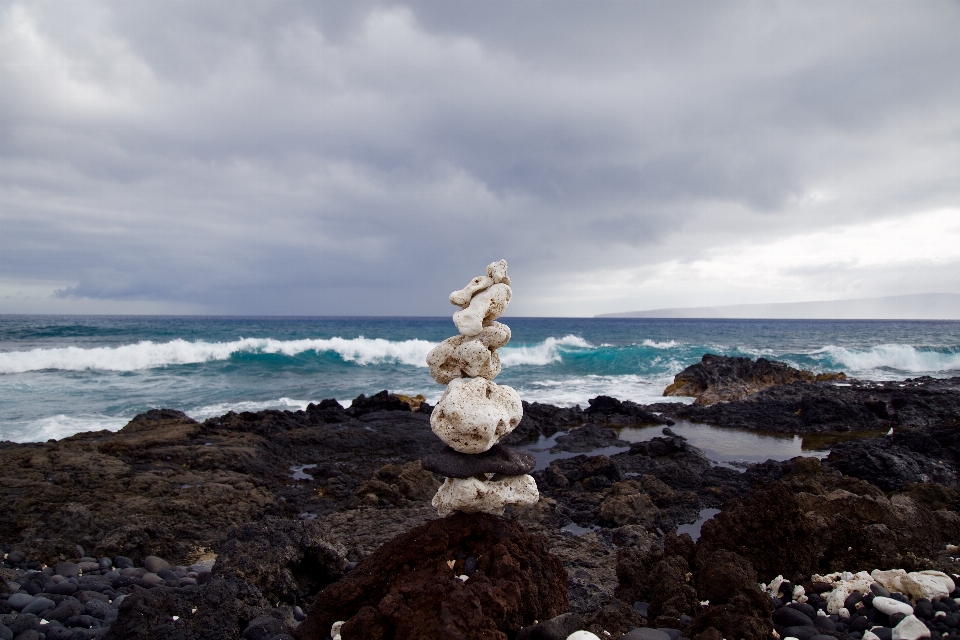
[[643, 608], [282, 636], [498, 459], [97, 609], [800, 633], [19, 623], [5, 633], [262, 629], [29, 635], [675, 634], [64, 588], [824, 623], [16, 557], [554, 629], [56, 631], [883, 633], [790, 617], [38, 606], [19, 600], [65, 610], [879, 590], [105, 563], [153, 564], [122, 562], [822, 637], [67, 569]]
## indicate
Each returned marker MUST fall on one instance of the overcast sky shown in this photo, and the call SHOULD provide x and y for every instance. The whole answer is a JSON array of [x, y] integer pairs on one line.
[[285, 157]]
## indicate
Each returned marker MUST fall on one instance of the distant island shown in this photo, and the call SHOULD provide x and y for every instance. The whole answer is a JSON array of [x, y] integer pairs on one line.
[[919, 306]]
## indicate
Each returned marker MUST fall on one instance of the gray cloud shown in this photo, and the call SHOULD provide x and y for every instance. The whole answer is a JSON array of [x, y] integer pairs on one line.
[[335, 158]]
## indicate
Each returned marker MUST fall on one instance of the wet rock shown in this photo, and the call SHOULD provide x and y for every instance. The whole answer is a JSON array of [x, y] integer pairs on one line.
[[153, 564], [408, 586], [607, 410], [544, 420], [498, 459], [723, 378], [627, 503], [67, 569], [588, 438]]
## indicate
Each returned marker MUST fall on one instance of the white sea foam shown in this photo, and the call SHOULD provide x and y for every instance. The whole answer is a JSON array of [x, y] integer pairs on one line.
[[544, 353], [670, 344], [220, 408], [566, 392], [61, 426], [900, 357], [149, 355]]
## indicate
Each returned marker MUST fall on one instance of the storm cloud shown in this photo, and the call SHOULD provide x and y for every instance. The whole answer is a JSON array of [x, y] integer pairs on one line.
[[284, 157]]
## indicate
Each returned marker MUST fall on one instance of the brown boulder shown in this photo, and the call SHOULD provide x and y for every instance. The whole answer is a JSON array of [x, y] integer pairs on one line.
[[409, 587]]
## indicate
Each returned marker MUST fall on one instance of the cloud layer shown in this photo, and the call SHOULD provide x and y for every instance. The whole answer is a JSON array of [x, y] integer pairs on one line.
[[366, 158]]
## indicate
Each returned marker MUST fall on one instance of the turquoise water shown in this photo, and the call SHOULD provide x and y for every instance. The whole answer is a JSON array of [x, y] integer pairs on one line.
[[61, 375]]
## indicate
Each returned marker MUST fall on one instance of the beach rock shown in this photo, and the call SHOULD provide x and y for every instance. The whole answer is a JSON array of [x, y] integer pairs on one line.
[[395, 483], [890, 606], [474, 414], [737, 606], [723, 378], [381, 401], [910, 628], [153, 564], [462, 297], [407, 587], [931, 585], [462, 356], [498, 459], [544, 420], [484, 307], [67, 569], [287, 560], [607, 410], [19, 600], [628, 504], [471, 495], [588, 438]]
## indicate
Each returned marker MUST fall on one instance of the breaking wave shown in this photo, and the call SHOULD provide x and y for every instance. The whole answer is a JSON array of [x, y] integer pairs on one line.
[[898, 357]]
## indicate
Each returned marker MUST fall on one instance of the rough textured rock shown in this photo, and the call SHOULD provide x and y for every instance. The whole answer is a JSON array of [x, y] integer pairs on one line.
[[462, 356], [484, 307], [287, 560], [409, 587], [724, 378], [498, 459], [916, 404], [471, 495], [610, 411], [396, 483], [474, 414]]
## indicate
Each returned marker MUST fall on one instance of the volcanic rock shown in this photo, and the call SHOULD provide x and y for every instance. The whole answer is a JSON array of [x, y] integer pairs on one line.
[[408, 588], [498, 459], [723, 378]]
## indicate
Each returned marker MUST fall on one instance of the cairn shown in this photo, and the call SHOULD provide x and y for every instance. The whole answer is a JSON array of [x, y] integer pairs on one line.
[[475, 413]]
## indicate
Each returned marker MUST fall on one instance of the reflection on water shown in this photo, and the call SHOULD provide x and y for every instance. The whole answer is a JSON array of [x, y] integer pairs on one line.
[[738, 447], [694, 529], [733, 448]]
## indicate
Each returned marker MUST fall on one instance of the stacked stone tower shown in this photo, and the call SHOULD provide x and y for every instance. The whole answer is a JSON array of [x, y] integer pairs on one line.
[[475, 413]]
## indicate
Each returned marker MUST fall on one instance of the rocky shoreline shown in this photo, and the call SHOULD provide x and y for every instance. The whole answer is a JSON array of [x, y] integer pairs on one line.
[[256, 513]]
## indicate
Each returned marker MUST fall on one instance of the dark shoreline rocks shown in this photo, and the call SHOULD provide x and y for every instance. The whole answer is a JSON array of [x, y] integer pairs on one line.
[[184, 491]]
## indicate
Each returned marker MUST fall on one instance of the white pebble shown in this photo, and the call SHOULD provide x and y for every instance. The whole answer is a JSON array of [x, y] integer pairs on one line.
[[910, 628], [870, 635], [582, 635], [335, 630], [890, 606], [844, 613], [463, 577]]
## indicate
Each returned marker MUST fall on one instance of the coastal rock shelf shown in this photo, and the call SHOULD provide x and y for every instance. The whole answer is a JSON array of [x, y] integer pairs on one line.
[[475, 413]]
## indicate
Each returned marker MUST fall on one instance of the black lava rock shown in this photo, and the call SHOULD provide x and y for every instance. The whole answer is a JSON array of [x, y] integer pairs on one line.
[[790, 617], [498, 459]]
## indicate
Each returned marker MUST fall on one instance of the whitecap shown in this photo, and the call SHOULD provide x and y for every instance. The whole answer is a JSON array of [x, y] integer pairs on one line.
[[148, 354], [541, 354], [900, 357], [61, 426], [669, 344]]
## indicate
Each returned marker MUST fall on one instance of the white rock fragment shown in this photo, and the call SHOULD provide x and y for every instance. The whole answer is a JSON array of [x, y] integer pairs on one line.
[[799, 592], [870, 635], [890, 606], [582, 635], [335, 630], [855, 583], [462, 297], [910, 628], [889, 580], [474, 413], [471, 495], [485, 307], [927, 584], [464, 357], [498, 271]]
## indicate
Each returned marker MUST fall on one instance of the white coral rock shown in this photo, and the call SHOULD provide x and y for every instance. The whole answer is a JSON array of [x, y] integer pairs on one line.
[[474, 413], [485, 306], [462, 297], [927, 584], [471, 495], [498, 271], [889, 580], [910, 628], [460, 356]]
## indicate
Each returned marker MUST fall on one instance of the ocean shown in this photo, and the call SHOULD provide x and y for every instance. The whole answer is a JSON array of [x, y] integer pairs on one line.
[[61, 375]]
